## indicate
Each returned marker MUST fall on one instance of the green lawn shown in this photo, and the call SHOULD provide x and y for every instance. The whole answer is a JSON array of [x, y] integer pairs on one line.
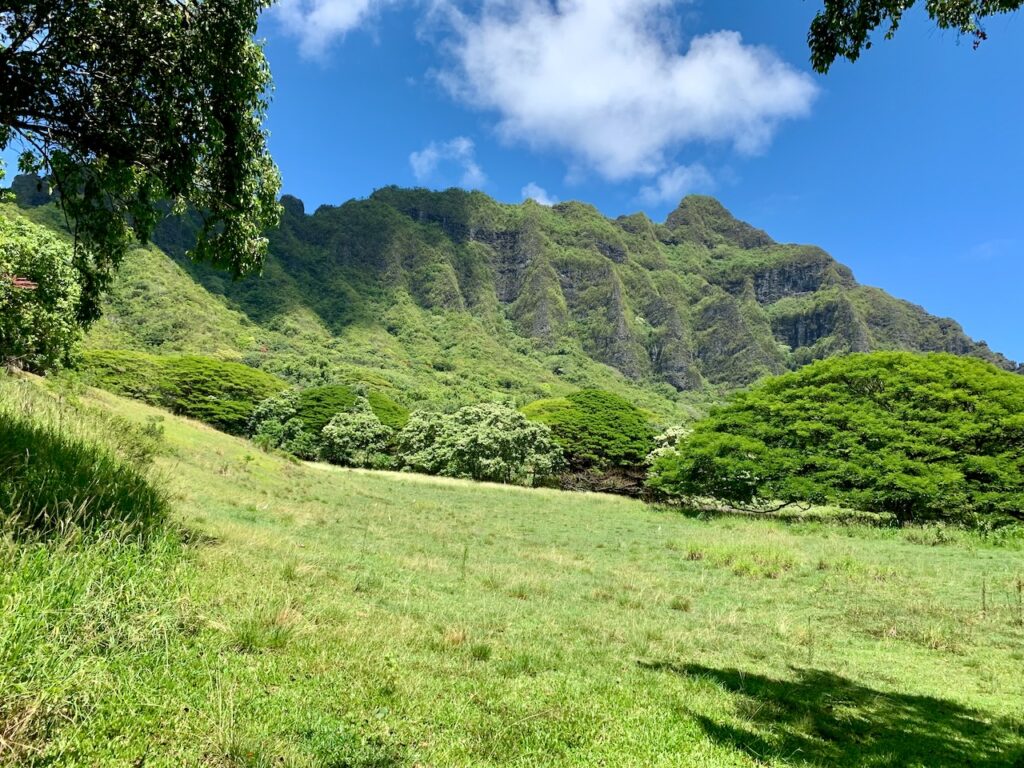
[[321, 617]]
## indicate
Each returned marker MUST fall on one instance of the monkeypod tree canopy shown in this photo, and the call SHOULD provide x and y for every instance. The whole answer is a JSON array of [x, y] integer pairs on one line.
[[126, 105], [596, 429], [918, 436]]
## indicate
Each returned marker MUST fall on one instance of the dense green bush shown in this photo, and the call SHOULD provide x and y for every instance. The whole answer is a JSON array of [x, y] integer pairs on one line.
[[316, 406], [482, 442], [357, 439], [596, 429], [415, 443], [38, 327], [219, 393], [137, 375], [275, 424], [666, 442], [390, 413], [919, 436], [64, 465], [294, 420]]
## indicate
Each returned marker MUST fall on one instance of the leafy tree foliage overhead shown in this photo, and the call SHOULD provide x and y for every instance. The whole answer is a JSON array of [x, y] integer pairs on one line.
[[127, 104], [918, 436], [844, 27], [596, 429]]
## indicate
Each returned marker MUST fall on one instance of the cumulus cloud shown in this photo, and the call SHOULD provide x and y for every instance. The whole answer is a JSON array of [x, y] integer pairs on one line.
[[538, 194], [672, 185], [318, 23], [603, 80], [612, 85], [435, 161]]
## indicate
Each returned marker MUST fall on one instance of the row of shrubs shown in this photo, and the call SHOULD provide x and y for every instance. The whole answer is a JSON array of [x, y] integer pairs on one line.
[[918, 437], [220, 393], [579, 440], [588, 440]]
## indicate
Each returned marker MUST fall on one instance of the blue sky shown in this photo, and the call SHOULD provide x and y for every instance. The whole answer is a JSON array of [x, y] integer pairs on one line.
[[907, 165]]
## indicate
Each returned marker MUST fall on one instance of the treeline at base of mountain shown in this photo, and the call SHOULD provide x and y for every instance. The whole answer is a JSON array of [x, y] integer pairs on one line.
[[445, 333], [912, 437]]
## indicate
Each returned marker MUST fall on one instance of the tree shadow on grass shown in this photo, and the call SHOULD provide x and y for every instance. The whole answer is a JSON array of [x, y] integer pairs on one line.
[[820, 718]]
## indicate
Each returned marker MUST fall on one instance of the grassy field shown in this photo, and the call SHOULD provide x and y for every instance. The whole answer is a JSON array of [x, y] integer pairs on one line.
[[313, 616]]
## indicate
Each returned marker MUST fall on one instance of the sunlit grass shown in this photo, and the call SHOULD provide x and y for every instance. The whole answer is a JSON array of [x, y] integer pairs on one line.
[[325, 617]]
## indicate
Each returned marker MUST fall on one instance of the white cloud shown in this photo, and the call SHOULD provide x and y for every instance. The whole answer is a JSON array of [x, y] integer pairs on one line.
[[993, 250], [432, 162], [604, 81], [538, 194], [613, 85], [318, 23], [672, 185]]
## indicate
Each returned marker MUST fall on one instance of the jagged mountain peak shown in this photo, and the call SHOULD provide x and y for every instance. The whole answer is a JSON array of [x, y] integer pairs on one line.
[[705, 219], [293, 205], [704, 298]]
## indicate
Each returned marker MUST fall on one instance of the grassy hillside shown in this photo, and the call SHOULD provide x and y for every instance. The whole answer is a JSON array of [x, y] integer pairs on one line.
[[322, 617]]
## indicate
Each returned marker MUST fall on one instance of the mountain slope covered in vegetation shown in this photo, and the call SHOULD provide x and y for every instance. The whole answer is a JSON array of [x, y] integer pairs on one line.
[[454, 296]]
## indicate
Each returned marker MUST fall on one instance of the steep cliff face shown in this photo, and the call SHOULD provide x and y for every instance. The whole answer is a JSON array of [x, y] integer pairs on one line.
[[701, 299], [791, 271]]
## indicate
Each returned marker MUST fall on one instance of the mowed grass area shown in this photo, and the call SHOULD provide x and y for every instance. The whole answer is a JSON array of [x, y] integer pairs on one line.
[[324, 617]]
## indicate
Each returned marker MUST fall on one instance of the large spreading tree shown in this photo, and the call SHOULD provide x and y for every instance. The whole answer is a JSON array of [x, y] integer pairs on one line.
[[131, 108], [921, 437], [843, 28]]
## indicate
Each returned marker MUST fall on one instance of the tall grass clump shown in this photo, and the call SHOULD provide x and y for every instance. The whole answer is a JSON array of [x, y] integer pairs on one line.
[[89, 576], [65, 465], [88, 625]]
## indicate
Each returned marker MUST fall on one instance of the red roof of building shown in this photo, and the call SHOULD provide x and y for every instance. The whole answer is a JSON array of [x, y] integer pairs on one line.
[[19, 282]]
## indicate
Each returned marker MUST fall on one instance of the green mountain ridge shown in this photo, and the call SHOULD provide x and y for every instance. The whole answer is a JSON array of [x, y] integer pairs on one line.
[[452, 296]]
